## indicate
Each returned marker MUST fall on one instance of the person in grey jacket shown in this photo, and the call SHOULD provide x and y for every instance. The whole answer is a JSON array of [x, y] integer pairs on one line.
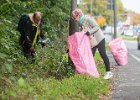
[[97, 38]]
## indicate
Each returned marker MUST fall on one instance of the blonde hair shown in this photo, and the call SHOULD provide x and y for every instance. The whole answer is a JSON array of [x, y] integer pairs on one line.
[[77, 12]]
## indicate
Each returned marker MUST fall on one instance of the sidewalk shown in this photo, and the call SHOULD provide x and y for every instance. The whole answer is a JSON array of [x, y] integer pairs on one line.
[[126, 80]]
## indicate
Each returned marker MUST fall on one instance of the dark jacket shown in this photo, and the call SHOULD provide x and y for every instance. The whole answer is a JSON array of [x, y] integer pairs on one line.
[[28, 31]]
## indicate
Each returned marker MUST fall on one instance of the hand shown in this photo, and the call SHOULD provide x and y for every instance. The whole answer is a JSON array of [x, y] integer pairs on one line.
[[43, 45], [87, 33], [32, 50]]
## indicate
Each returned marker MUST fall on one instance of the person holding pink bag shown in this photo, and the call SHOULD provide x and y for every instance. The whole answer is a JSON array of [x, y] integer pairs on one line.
[[97, 38]]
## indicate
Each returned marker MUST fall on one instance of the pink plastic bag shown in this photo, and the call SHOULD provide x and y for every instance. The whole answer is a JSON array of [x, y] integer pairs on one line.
[[81, 54], [119, 51]]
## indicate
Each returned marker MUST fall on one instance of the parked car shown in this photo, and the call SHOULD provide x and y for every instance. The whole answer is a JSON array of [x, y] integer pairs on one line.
[[109, 30], [138, 29], [129, 32]]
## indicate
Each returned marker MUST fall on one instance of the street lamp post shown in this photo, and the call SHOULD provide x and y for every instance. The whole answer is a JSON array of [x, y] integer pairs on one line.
[[115, 18], [73, 26], [91, 6]]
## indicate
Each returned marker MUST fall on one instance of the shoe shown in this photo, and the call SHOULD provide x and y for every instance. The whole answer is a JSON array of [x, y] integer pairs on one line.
[[108, 75]]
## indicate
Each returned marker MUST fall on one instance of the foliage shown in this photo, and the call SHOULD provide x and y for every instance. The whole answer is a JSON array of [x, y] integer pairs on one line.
[[120, 7], [99, 8], [135, 17], [9, 36], [50, 61], [101, 21], [128, 37], [75, 87], [48, 74]]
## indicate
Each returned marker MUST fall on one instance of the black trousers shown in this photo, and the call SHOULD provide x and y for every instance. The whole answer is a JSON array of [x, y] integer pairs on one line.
[[102, 50], [25, 45]]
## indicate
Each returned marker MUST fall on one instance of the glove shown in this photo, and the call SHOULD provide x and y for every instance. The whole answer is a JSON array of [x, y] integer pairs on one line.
[[87, 33], [43, 45], [32, 50]]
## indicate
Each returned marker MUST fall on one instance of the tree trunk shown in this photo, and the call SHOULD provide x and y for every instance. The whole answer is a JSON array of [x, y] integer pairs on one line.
[[73, 26]]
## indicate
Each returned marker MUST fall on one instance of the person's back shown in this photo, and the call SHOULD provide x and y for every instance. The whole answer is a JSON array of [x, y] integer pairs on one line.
[[88, 24], [22, 22]]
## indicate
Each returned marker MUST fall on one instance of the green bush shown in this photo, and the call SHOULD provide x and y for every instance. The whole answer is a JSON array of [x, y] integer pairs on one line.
[[55, 15], [50, 61], [49, 75]]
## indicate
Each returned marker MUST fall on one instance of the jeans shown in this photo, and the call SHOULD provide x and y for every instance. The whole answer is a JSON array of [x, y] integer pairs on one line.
[[102, 51]]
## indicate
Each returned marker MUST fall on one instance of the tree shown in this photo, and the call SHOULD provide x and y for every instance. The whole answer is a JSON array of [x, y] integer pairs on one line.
[[73, 26], [100, 8], [101, 21]]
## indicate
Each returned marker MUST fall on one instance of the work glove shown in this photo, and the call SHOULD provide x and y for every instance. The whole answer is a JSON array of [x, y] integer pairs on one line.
[[32, 49], [43, 45], [87, 33]]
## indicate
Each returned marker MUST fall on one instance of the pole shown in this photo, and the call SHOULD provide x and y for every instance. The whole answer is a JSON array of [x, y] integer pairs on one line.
[[91, 6], [115, 18], [73, 26]]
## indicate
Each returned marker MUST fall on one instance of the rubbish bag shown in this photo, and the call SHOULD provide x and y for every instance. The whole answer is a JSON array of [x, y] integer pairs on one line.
[[81, 54], [119, 51]]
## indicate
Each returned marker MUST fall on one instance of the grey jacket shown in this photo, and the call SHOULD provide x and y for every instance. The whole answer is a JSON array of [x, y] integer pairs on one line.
[[89, 24]]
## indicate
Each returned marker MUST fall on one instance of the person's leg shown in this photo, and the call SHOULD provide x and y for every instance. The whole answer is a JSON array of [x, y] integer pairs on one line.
[[94, 50], [102, 51], [26, 49]]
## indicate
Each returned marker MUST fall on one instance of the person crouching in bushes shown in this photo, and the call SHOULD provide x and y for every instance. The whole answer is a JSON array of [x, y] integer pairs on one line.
[[29, 27]]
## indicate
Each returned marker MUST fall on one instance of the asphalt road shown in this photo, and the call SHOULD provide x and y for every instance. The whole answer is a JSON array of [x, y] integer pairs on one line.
[[126, 80]]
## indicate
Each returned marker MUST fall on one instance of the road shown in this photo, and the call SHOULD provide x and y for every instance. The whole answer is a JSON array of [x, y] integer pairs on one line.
[[131, 46], [126, 80]]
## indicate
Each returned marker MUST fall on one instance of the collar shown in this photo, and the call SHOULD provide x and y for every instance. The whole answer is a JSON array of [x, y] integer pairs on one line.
[[31, 18], [82, 19]]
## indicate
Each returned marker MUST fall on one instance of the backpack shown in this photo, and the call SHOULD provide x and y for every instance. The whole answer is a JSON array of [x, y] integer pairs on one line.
[[22, 21]]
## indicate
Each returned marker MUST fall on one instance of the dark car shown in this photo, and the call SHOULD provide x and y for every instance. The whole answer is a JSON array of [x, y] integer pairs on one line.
[[138, 41]]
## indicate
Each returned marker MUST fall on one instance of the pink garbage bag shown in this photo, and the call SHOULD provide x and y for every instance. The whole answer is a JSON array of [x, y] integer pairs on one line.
[[119, 51], [81, 54]]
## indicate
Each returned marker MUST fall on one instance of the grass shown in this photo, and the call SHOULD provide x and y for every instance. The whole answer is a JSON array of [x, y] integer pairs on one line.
[[76, 87], [129, 38]]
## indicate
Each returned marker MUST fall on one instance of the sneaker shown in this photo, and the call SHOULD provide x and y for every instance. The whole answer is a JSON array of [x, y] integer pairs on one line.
[[108, 75]]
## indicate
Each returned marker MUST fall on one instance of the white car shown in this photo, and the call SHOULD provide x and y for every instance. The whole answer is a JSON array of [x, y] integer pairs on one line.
[[129, 32], [109, 30]]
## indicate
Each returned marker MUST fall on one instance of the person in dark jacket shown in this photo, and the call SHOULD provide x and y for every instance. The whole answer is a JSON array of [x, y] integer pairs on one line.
[[30, 29]]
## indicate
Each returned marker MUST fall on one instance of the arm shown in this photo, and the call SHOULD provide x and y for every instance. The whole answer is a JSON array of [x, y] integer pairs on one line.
[[41, 34], [94, 27]]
